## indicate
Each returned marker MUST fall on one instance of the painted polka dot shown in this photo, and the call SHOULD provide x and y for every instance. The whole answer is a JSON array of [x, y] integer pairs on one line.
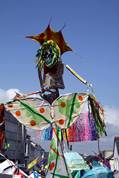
[[51, 166], [80, 98], [32, 123], [10, 105], [18, 113], [42, 110], [62, 104], [61, 121]]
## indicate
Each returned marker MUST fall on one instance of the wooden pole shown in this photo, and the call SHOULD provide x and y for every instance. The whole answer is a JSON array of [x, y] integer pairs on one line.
[[79, 77]]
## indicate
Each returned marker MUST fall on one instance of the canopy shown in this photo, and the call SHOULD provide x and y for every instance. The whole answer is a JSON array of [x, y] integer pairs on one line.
[[75, 161]]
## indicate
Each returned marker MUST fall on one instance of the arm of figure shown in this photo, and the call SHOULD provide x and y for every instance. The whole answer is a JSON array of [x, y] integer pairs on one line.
[[78, 76]]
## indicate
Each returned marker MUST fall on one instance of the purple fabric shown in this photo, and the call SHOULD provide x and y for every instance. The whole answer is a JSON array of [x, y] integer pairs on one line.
[[83, 129]]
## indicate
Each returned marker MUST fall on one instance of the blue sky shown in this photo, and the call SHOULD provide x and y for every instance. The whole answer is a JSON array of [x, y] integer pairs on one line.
[[92, 31]]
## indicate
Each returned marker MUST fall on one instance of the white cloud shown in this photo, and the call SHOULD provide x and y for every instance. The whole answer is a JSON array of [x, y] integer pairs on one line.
[[112, 115], [7, 95]]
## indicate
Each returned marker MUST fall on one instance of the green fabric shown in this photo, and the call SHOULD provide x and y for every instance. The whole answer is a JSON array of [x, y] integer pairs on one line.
[[72, 109], [56, 157], [31, 110], [95, 110], [48, 54]]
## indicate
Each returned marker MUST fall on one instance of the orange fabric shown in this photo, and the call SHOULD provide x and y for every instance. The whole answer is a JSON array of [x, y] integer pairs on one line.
[[49, 34]]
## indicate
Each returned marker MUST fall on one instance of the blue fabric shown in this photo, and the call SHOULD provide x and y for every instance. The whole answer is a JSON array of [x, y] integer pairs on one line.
[[36, 174], [46, 134], [98, 172]]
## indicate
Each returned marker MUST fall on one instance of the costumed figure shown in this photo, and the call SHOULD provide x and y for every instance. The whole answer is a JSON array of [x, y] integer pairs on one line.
[[80, 111]]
